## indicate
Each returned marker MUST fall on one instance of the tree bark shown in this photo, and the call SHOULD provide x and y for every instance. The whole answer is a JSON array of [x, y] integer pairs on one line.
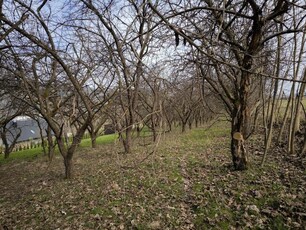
[[127, 140], [154, 132], [241, 118], [51, 144], [6, 154], [183, 127], [239, 155], [273, 102], [68, 167], [93, 138], [303, 152], [190, 124], [94, 142], [8, 148], [238, 149]]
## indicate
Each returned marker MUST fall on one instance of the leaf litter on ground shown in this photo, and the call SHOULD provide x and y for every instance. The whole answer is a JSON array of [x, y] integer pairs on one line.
[[188, 183]]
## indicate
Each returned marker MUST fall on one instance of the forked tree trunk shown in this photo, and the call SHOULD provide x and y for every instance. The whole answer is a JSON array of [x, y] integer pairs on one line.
[[93, 130], [67, 152], [8, 148]]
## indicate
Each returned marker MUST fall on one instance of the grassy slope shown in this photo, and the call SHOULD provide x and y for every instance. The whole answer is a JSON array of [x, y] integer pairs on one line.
[[29, 154], [187, 184]]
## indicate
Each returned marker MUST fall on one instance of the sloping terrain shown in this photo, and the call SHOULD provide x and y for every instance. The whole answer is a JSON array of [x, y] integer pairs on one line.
[[188, 183]]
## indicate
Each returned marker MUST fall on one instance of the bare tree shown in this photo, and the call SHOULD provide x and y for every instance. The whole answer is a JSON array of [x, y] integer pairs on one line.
[[150, 110], [9, 131], [46, 87], [128, 44], [230, 36], [10, 108]]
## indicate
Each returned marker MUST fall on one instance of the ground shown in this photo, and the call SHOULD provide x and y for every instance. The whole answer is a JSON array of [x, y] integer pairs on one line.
[[187, 182]]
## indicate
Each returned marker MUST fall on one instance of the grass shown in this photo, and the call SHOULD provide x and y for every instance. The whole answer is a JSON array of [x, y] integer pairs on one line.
[[282, 104], [33, 153], [101, 140], [26, 154], [187, 184]]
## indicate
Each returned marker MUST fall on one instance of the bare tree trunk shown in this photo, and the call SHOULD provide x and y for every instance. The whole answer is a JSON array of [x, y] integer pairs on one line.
[[297, 119], [154, 130], [43, 145], [8, 147], [68, 167], [295, 125], [238, 150], [184, 126], [296, 122], [94, 127], [169, 121], [303, 151], [93, 138], [6, 153], [190, 123], [241, 118], [279, 101], [68, 153], [273, 103], [5, 143], [94, 141], [127, 141], [285, 118], [295, 102], [197, 121], [51, 144], [264, 110], [138, 130], [268, 136]]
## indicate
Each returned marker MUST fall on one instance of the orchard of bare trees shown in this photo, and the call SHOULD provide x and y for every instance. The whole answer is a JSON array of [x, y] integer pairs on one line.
[[158, 65]]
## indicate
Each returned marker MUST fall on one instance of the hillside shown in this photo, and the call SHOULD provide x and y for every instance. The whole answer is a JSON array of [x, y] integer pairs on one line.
[[187, 183]]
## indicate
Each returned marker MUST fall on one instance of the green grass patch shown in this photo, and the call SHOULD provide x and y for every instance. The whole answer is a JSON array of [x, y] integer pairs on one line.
[[221, 129], [105, 139], [206, 215], [26, 154], [33, 153]]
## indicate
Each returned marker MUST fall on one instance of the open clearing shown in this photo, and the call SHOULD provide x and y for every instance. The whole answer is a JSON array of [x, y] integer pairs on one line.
[[188, 183]]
